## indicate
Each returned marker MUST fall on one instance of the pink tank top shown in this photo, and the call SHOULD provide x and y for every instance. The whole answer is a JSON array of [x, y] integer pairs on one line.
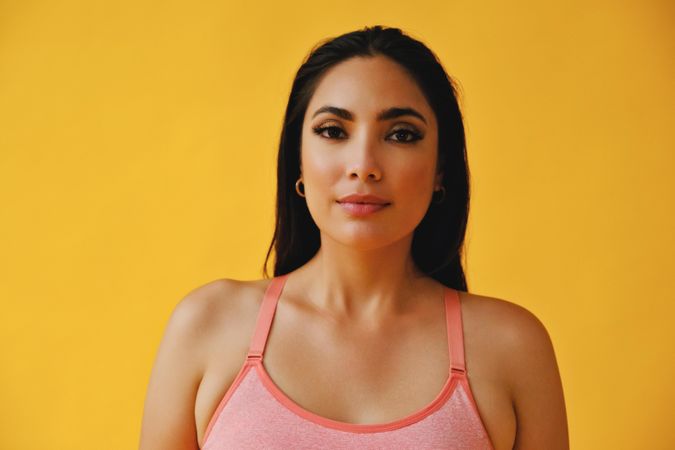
[[255, 414]]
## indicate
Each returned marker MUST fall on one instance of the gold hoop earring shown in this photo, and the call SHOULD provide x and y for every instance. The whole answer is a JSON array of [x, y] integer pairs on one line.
[[297, 187], [442, 189]]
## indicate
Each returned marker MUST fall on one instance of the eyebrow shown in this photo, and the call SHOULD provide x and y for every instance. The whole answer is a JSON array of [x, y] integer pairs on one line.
[[389, 113]]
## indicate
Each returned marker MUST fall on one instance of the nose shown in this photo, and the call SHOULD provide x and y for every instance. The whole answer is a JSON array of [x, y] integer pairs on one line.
[[363, 162]]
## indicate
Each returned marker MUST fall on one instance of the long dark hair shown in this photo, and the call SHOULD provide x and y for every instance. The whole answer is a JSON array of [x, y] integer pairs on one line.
[[438, 240]]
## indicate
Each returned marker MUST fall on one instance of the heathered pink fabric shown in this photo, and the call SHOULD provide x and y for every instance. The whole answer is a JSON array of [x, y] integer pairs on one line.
[[255, 414]]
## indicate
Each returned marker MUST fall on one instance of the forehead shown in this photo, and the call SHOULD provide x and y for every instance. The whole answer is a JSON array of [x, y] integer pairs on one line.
[[366, 85]]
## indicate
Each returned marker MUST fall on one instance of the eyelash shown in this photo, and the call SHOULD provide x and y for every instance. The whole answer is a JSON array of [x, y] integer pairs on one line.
[[415, 135]]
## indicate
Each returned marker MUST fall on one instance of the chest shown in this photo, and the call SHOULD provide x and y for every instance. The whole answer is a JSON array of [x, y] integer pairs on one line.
[[358, 376]]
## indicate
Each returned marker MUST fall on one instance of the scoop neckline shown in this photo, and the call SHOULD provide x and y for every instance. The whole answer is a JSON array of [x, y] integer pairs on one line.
[[445, 393]]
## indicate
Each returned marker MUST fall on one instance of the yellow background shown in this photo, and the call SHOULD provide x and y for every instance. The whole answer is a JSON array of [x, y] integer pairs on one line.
[[138, 145]]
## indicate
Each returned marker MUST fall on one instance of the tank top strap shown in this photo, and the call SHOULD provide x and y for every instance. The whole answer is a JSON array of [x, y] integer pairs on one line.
[[265, 317], [453, 317]]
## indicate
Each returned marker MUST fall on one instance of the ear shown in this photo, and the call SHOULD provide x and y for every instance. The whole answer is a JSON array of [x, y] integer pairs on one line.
[[438, 181]]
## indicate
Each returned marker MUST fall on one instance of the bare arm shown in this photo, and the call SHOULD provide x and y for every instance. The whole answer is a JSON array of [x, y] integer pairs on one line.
[[537, 390], [168, 416]]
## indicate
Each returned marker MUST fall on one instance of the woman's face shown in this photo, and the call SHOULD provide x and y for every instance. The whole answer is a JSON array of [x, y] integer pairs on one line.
[[352, 149]]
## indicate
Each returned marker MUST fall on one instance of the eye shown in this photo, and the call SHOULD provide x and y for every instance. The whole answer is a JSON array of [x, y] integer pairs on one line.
[[333, 131], [406, 135]]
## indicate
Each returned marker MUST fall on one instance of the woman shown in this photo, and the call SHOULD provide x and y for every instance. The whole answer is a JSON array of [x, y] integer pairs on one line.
[[369, 337]]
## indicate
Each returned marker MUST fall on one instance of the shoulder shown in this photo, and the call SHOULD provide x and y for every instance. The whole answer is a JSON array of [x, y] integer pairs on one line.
[[183, 355], [203, 304], [205, 309], [199, 306], [520, 340], [515, 325], [194, 319], [522, 352]]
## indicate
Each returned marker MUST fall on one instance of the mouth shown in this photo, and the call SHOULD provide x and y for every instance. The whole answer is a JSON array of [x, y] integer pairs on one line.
[[361, 209], [363, 203]]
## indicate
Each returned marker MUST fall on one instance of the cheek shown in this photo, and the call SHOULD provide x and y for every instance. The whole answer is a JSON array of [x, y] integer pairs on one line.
[[414, 180], [320, 174]]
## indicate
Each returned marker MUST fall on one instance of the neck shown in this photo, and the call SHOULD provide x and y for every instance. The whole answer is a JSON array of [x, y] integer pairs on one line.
[[361, 285]]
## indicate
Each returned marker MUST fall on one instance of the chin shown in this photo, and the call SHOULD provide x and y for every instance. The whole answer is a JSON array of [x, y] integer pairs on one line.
[[365, 239]]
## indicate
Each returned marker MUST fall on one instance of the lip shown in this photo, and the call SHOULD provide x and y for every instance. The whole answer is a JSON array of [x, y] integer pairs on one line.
[[363, 198], [362, 209]]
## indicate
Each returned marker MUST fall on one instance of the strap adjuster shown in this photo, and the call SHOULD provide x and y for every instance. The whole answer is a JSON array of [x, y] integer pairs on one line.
[[254, 356]]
